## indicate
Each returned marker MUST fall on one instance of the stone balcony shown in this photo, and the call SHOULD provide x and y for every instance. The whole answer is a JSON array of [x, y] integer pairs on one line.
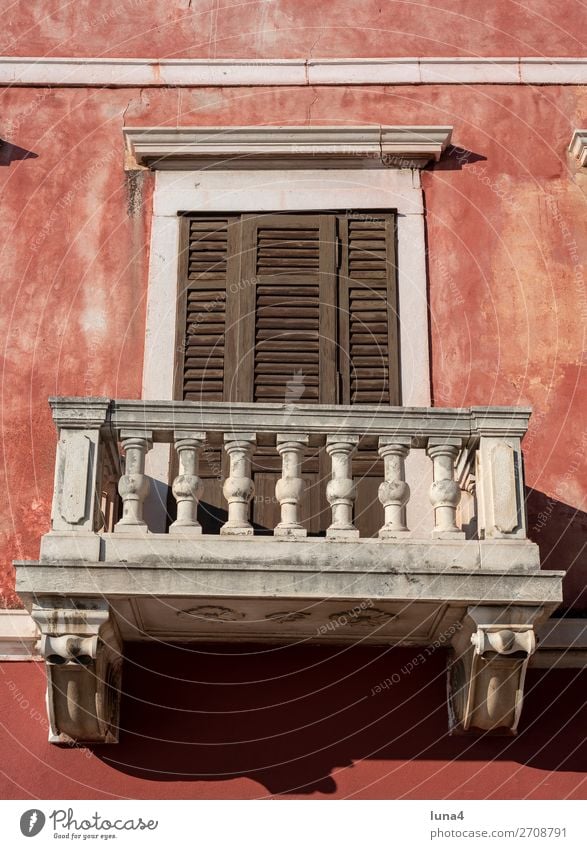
[[471, 580]]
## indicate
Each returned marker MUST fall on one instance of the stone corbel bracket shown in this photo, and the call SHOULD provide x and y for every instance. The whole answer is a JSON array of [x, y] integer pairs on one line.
[[488, 667], [83, 658]]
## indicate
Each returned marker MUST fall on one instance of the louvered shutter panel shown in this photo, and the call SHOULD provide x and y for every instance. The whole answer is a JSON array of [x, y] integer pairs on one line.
[[367, 315], [206, 260], [291, 261]]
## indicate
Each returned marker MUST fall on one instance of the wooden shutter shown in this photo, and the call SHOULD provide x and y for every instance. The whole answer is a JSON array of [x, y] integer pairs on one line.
[[289, 308], [369, 361], [208, 260], [293, 309]]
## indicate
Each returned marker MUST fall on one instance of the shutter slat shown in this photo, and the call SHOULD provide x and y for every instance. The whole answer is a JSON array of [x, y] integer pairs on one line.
[[205, 313]]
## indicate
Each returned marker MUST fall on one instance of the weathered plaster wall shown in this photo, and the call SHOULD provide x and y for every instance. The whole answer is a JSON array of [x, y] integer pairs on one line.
[[294, 28], [73, 264], [506, 245], [203, 726]]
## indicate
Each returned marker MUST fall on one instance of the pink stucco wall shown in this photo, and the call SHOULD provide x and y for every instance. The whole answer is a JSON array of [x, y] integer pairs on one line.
[[294, 28]]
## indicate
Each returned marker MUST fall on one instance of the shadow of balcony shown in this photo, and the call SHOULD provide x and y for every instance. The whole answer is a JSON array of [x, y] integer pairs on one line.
[[288, 718]]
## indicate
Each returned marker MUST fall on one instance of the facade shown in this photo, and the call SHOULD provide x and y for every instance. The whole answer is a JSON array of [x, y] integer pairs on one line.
[[294, 423]]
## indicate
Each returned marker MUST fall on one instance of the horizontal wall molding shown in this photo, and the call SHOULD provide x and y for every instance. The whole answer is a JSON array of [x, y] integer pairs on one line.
[[18, 636], [162, 147], [507, 70]]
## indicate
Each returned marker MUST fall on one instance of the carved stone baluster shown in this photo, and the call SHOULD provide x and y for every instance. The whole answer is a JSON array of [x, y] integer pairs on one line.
[[290, 486], [134, 485], [445, 492], [238, 487], [341, 490], [187, 486], [394, 492]]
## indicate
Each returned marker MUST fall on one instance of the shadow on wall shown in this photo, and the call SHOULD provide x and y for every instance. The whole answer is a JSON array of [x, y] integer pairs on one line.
[[560, 531], [455, 158], [12, 153], [290, 717]]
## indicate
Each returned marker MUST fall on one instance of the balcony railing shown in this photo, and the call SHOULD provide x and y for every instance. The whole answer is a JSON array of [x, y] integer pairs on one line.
[[469, 577], [104, 444]]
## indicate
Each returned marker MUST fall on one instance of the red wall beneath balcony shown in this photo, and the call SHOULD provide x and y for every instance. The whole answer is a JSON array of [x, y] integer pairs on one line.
[[244, 722]]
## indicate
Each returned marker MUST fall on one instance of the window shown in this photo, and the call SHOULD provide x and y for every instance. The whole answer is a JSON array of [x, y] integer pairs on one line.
[[288, 308], [285, 308]]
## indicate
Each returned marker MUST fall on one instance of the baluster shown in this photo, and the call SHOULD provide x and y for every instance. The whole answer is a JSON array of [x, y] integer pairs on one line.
[[445, 492], [394, 492], [187, 486], [238, 487], [341, 490], [134, 485], [290, 487]]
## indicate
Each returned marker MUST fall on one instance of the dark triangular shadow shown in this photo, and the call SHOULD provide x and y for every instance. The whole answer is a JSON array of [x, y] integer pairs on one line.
[[10, 153]]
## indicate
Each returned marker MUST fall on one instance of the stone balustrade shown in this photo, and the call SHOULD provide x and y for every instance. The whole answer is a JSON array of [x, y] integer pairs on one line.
[[448, 562], [475, 449]]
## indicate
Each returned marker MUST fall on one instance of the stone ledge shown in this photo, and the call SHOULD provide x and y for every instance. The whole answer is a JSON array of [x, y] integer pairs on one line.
[[312, 553], [410, 70], [18, 636], [291, 580]]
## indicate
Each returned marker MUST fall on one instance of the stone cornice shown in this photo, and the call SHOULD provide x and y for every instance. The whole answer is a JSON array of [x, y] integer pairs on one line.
[[162, 147], [123, 72], [578, 147], [18, 636]]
